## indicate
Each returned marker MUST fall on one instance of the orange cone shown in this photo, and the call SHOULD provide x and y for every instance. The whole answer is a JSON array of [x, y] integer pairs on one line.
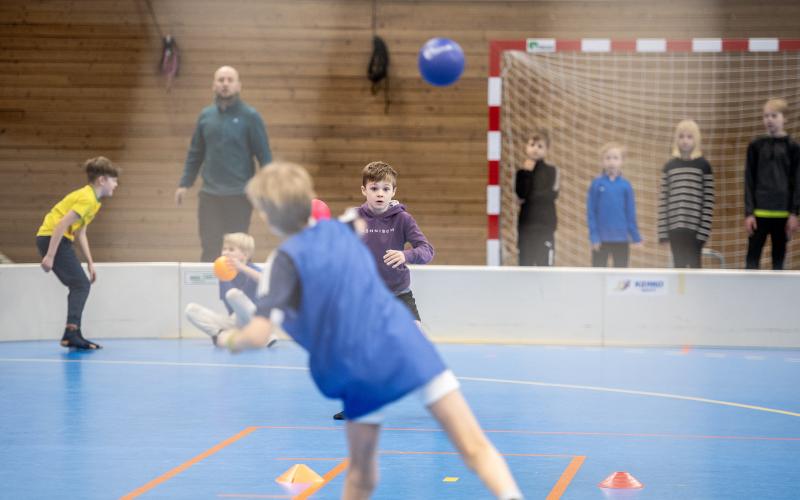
[[621, 480], [299, 473]]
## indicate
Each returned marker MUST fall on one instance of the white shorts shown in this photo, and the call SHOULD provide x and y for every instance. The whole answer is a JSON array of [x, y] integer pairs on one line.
[[438, 387]]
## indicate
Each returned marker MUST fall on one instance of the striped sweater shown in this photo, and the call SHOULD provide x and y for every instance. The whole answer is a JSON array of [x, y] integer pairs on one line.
[[687, 198]]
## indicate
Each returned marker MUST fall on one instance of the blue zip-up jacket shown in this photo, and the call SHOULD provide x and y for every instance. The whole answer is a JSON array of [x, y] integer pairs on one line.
[[611, 211]]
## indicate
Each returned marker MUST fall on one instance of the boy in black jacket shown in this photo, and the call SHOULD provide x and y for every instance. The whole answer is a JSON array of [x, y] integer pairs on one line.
[[537, 189], [771, 197]]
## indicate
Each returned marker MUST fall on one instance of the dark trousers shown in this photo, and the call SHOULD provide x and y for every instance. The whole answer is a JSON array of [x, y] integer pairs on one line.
[[619, 251], [776, 229], [217, 216], [537, 246], [687, 250], [407, 299], [68, 270]]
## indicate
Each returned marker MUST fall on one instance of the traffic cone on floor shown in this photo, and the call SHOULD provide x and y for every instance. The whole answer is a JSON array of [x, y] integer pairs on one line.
[[621, 480], [299, 473]]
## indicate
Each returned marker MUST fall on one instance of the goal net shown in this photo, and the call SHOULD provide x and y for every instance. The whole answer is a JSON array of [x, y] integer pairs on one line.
[[587, 99]]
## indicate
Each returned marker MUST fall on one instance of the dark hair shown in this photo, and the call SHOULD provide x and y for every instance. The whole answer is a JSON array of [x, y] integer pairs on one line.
[[540, 134], [378, 171], [98, 167]]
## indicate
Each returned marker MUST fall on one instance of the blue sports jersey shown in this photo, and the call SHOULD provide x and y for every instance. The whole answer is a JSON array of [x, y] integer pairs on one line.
[[364, 347]]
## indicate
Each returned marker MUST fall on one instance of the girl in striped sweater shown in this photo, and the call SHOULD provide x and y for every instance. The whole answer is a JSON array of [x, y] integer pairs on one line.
[[686, 203]]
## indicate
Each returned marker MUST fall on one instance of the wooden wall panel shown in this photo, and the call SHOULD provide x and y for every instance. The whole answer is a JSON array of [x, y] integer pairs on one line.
[[77, 79]]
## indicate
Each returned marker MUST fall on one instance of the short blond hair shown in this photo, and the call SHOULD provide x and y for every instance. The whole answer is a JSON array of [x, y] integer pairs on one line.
[[242, 241], [692, 127], [611, 145], [777, 105], [283, 192]]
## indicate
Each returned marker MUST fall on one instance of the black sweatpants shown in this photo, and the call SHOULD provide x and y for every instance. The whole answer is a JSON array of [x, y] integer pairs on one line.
[[618, 250], [776, 229], [217, 216], [68, 270], [537, 246]]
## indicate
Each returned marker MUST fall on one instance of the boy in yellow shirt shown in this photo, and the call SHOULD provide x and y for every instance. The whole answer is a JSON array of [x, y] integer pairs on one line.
[[65, 223]]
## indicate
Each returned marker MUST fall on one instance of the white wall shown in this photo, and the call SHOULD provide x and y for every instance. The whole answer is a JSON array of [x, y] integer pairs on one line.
[[127, 300], [640, 307]]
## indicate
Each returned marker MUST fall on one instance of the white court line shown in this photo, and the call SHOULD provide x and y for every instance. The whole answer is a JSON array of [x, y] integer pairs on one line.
[[755, 358], [793, 360], [715, 355], [473, 379], [637, 393]]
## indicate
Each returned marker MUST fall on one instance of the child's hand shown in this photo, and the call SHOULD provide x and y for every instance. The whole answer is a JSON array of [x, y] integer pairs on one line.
[[47, 263], [528, 165], [750, 224], [92, 273], [791, 226], [394, 258], [238, 264]]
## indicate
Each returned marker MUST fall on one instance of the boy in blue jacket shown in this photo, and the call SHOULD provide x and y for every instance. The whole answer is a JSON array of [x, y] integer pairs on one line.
[[611, 211], [364, 347]]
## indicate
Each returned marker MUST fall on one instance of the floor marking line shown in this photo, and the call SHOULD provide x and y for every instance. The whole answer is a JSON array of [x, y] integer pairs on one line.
[[566, 477], [327, 478], [633, 392], [400, 452], [552, 433], [474, 379], [182, 467]]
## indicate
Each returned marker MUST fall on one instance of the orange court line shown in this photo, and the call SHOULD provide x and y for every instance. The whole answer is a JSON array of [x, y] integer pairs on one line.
[[182, 467], [560, 433], [327, 478], [398, 452], [250, 495], [566, 478]]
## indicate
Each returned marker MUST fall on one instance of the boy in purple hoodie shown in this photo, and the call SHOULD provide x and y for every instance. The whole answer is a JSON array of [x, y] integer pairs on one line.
[[389, 228]]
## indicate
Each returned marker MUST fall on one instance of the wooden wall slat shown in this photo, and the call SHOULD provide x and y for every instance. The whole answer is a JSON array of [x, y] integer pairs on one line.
[[78, 79]]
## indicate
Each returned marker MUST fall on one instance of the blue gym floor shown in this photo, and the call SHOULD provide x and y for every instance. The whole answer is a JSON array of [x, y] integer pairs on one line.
[[179, 419]]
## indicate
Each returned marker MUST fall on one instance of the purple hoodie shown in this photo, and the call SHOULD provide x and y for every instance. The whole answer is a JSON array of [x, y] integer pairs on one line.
[[391, 230]]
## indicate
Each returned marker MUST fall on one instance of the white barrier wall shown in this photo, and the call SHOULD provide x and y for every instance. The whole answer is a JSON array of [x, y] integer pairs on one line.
[[636, 307], [127, 300]]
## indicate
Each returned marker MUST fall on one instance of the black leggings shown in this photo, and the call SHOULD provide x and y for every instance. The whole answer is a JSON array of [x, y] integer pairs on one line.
[[620, 251], [776, 229], [687, 250], [68, 270]]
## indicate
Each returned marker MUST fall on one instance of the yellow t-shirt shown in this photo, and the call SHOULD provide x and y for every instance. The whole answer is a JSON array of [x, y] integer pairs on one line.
[[82, 201]]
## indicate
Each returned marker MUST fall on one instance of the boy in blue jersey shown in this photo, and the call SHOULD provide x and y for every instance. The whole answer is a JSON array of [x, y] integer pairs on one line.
[[238, 295], [611, 211], [364, 347]]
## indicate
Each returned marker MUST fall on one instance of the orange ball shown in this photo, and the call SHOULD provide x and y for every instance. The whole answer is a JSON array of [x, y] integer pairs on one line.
[[224, 270]]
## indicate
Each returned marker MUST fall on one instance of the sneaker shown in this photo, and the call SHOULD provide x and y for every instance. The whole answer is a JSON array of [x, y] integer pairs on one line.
[[340, 416], [272, 341], [74, 339]]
